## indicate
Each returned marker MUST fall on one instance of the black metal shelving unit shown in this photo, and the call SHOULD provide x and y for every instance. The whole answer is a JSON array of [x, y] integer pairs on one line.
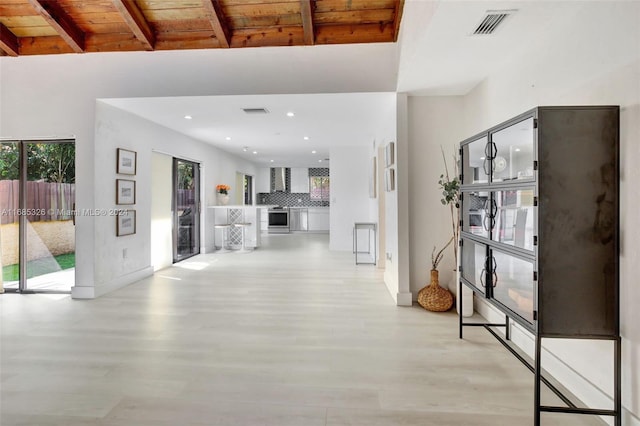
[[540, 233]]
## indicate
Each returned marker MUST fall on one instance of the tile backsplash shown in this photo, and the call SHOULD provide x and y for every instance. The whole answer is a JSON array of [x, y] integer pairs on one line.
[[289, 200]]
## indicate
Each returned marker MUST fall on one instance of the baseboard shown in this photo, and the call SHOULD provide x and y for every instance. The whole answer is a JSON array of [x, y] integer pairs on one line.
[[404, 299], [91, 292]]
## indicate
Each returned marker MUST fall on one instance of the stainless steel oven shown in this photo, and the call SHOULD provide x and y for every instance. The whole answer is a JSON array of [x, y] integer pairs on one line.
[[278, 220]]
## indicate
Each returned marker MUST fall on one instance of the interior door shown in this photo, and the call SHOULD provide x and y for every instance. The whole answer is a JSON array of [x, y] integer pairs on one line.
[[186, 209]]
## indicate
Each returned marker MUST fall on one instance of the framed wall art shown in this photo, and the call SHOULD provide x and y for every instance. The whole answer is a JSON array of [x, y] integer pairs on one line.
[[390, 180], [389, 154], [126, 162], [126, 223], [372, 178], [125, 191]]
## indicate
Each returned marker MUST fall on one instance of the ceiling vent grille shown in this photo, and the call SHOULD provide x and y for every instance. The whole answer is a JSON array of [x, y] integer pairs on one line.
[[255, 110], [491, 21]]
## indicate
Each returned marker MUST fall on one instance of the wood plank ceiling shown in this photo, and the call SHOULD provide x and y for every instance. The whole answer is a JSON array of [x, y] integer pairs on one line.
[[40, 27]]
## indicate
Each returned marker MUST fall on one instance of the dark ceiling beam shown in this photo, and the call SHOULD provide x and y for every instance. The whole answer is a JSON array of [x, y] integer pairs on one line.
[[215, 14], [307, 21], [8, 41], [61, 22], [136, 21], [397, 19]]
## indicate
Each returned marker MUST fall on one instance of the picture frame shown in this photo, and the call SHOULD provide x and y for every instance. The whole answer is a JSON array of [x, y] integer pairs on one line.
[[125, 192], [127, 161], [390, 180], [373, 178], [125, 223], [389, 154]]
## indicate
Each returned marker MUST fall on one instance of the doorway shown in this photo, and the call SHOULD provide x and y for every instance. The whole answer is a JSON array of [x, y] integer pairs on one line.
[[37, 222], [186, 209]]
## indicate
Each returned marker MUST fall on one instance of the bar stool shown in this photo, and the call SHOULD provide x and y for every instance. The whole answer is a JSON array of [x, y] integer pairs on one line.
[[225, 236], [243, 225]]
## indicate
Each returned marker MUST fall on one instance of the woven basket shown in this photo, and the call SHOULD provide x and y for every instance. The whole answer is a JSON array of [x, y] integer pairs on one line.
[[433, 297]]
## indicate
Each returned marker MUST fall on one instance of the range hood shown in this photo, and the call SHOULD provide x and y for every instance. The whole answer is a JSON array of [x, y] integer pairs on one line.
[[280, 179]]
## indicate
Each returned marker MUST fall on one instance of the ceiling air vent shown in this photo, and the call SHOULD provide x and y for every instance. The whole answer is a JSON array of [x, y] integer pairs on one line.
[[491, 21], [255, 110]]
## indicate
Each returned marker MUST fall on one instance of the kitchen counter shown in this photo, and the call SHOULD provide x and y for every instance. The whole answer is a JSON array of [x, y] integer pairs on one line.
[[250, 214]]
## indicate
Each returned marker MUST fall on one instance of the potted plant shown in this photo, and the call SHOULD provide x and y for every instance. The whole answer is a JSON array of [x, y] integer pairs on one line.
[[433, 297], [222, 194], [451, 197]]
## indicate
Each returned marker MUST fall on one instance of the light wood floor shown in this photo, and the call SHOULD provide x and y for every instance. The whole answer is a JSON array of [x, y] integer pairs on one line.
[[287, 335]]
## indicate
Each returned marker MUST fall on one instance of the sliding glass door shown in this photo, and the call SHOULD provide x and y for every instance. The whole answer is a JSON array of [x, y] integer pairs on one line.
[[37, 227], [186, 209]]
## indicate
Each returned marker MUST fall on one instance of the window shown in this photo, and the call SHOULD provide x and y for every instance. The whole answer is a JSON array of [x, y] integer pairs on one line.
[[248, 190], [319, 188]]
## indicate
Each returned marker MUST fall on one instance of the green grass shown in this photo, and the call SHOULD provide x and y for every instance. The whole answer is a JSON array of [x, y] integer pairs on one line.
[[40, 267]]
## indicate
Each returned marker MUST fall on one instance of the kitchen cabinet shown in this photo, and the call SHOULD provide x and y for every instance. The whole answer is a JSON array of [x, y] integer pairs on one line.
[[263, 180], [299, 180], [318, 218], [540, 228]]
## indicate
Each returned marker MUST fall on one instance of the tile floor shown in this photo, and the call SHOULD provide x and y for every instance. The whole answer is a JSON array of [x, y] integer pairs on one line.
[[290, 334]]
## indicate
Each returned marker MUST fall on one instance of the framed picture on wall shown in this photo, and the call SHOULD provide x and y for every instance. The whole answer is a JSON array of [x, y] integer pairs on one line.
[[372, 178], [125, 191], [126, 162], [390, 180], [389, 154], [126, 223]]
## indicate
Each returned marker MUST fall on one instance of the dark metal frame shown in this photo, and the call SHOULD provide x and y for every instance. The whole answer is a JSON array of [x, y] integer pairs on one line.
[[174, 206], [536, 366]]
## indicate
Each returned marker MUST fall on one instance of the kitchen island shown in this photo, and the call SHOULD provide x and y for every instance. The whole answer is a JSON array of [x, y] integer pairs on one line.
[[234, 215]]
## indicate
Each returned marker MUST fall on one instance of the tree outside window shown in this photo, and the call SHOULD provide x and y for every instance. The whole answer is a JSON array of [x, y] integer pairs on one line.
[[319, 188]]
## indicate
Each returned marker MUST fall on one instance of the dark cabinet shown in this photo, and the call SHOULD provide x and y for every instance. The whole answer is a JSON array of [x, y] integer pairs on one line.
[[539, 222]]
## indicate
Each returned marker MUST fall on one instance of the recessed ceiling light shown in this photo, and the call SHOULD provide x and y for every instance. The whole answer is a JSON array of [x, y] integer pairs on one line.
[[228, 138], [517, 149], [290, 114], [245, 149], [255, 152], [313, 152], [188, 117], [306, 138], [319, 161], [271, 161]]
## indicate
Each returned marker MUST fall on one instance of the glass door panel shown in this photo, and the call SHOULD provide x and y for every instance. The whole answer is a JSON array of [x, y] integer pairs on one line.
[[474, 257], [186, 196], [515, 218], [476, 217], [475, 162], [512, 152], [9, 219], [513, 284], [50, 225]]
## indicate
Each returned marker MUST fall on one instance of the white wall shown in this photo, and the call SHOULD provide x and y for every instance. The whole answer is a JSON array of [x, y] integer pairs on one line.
[[119, 129], [564, 72], [434, 122], [161, 205], [349, 175], [621, 86], [62, 101], [396, 274]]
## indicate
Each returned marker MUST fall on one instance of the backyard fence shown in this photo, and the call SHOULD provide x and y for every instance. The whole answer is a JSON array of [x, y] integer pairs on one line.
[[46, 201]]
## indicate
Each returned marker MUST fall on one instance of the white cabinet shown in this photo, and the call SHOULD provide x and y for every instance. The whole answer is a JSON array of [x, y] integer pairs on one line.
[[263, 180], [299, 180], [318, 219], [264, 219]]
